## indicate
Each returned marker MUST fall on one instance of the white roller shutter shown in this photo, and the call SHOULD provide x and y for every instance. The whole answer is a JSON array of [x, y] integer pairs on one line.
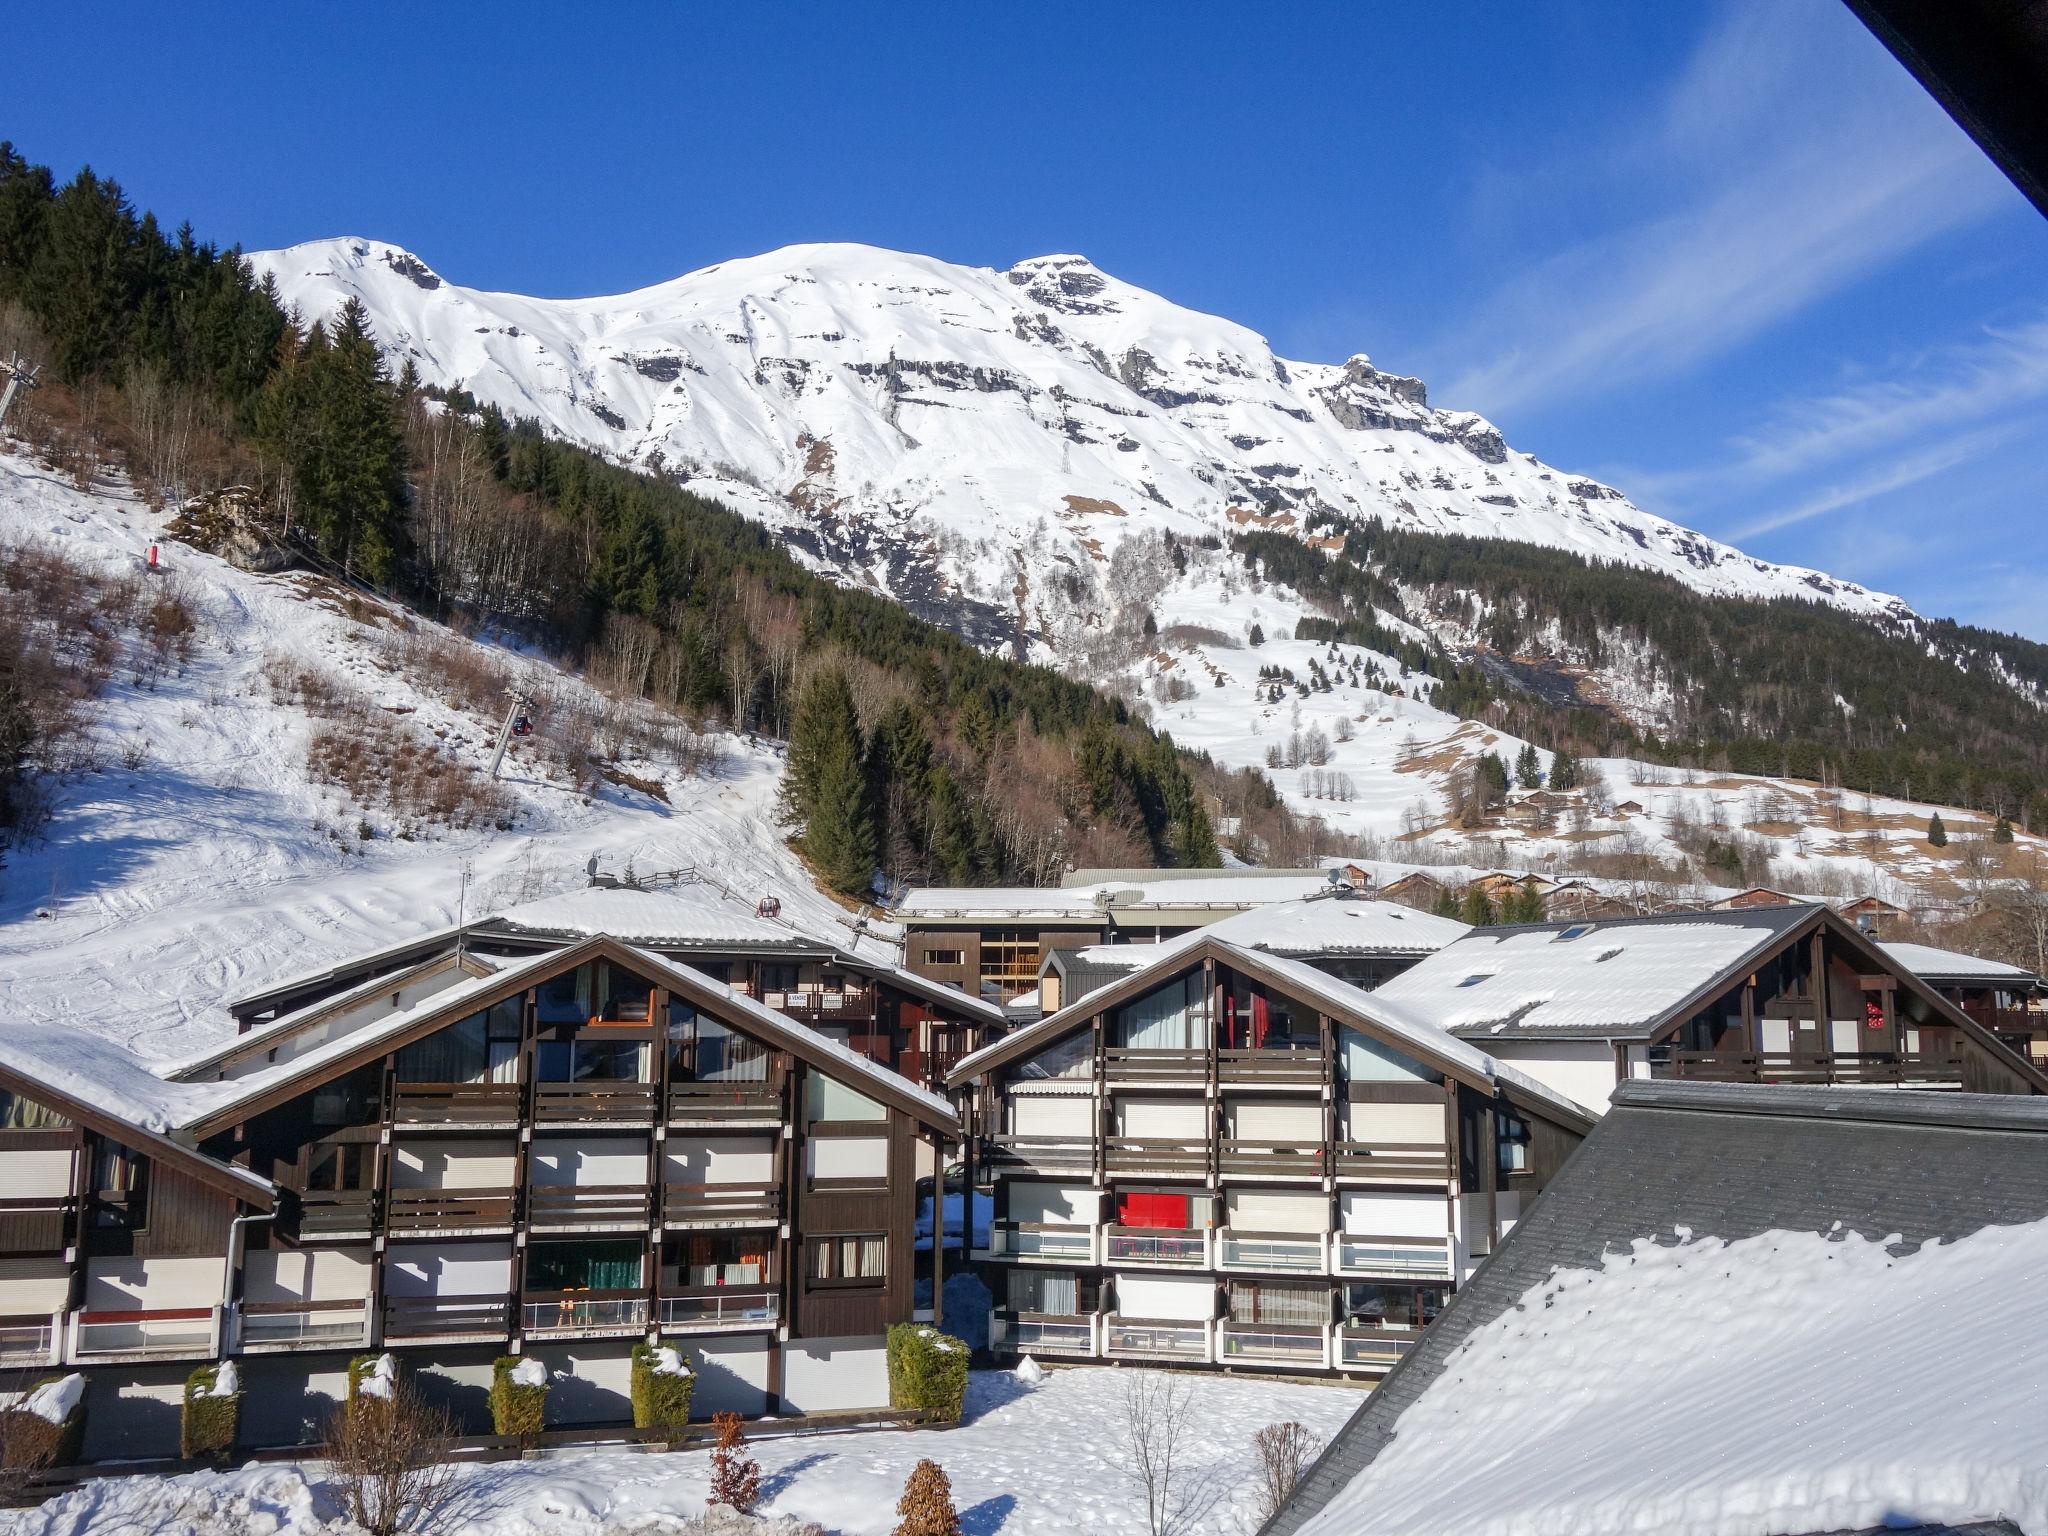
[[1258, 1210], [1163, 1120], [1293, 1124], [1047, 1115], [721, 1160], [448, 1269], [1059, 1205], [1402, 1215], [847, 1157], [40, 1173], [453, 1165], [306, 1274], [1169, 1298], [152, 1285], [589, 1161], [1396, 1124], [29, 1286]]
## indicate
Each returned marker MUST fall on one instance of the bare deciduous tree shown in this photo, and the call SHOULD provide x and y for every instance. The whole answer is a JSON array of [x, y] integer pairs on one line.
[[1158, 1421], [1284, 1452], [387, 1458]]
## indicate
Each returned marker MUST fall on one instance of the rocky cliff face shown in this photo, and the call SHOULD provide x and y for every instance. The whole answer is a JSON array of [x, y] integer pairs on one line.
[[980, 443]]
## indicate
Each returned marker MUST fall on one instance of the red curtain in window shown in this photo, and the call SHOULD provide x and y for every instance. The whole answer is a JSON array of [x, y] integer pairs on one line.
[[1261, 1021], [1153, 1211]]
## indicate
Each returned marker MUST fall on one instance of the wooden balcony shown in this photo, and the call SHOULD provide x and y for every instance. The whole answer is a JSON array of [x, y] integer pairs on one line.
[[591, 1103], [1053, 1154], [35, 1223], [851, 1005], [1304, 1346], [450, 1211], [1898, 1068], [718, 1309], [337, 1212], [1163, 1156], [1361, 1348], [1273, 1067], [267, 1327], [584, 1314], [587, 1207], [455, 1106], [447, 1319], [1125, 1066], [726, 1104], [1273, 1159], [1418, 1162], [721, 1205]]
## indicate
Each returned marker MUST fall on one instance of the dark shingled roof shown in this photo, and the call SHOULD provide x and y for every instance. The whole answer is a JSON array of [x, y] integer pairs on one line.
[[1729, 1161]]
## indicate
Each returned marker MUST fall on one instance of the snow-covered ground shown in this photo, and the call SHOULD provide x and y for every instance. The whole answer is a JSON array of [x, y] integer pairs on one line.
[[201, 859], [1030, 1460]]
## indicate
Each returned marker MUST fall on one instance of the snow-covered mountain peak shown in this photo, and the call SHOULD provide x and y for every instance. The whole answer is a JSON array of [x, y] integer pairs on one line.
[[980, 442]]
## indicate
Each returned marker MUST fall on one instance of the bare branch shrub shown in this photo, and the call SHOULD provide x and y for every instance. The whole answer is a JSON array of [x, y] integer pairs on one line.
[[1284, 1452], [1159, 1442], [387, 1460]]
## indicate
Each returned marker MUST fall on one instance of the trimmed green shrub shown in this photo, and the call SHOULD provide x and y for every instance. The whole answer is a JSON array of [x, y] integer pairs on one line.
[[927, 1371], [662, 1382], [519, 1402], [31, 1440], [213, 1411], [370, 1368]]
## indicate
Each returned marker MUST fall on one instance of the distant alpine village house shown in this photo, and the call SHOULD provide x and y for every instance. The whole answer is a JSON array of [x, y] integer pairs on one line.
[[1228, 1157], [593, 1121]]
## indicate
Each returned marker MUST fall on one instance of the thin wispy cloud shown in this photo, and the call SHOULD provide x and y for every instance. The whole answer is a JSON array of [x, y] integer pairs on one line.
[[1894, 474], [1773, 173]]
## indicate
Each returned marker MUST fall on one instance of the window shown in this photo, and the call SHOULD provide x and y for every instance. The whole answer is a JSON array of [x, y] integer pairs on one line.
[[1054, 1292], [120, 1184], [1393, 1306], [1009, 960], [828, 1099], [1366, 1060], [622, 997], [1174, 1017], [702, 1050], [483, 1048], [591, 1061], [567, 998], [607, 1265], [1257, 1018], [945, 957], [1262, 1301], [354, 1099], [720, 1258], [339, 1166], [775, 978], [1511, 1142], [19, 1114], [1072, 1057], [1575, 931], [853, 1259], [1163, 1210], [1475, 978]]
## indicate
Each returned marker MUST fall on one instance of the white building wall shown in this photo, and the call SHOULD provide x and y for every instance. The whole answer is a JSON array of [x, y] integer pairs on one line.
[[1176, 1298], [719, 1160], [41, 1173], [821, 1375], [847, 1157], [1581, 1070], [590, 1383], [30, 1286], [306, 1274], [488, 1164], [1387, 1214], [1058, 1205], [152, 1285], [587, 1160], [448, 1269]]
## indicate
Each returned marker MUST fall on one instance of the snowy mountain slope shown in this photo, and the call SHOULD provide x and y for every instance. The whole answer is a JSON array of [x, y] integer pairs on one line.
[[978, 443], [202, 858]]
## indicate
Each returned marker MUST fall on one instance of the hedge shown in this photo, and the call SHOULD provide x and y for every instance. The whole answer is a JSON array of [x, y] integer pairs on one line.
[[927, 1371], [32, 1441], [210, 1418], [517, 1407], [360, 1369], [661, 1398]]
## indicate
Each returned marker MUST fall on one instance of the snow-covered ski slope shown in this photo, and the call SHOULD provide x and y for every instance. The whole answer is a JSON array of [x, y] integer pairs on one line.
[[972, 440], [200, 858]]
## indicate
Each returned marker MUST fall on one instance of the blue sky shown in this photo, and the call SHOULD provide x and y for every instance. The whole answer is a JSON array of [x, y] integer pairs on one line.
[[1727, 256]]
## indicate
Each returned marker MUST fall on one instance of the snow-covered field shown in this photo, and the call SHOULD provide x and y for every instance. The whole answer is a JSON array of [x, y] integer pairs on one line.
[[200, 859], [1029, 1460]]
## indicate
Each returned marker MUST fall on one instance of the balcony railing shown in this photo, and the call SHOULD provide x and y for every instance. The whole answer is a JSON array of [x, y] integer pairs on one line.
[[584, 1312], [449, 1210], [596, 1102], [34, 1223], [1139, 1338], [1172, 1069], [173, 1331], [1897, 1067], [304, 1324], [1299, 1344], [707, 1311], [1053, 1153], [1394, 1161], [1373, 1349], [1041, 1333], [455, 1104], [1043, 1240], [1406, 1257], [337, 1212], [1273, 1159], [443, 1317], [1187, 1156], [1273, 1066], [848, 1005], [1143, 1245], [721, 1205], [750, 1103], [1300, 1251], [27, 1341], [572, 1206]]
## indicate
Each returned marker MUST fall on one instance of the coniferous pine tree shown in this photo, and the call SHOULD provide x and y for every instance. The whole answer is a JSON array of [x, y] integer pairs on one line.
[[827, 783], [735, 1476], [1937, 834], [927, 1503], [1565, 772], [2001, 830], [1476, 908], [1528, 768]]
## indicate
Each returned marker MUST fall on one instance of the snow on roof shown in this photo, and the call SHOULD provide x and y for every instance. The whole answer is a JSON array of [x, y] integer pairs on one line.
[[649, 917], [1827, 1402], [825, 1045], [1586, 977], [924, 986], [1923, 960], [394, 952], [1304, 929], [1222, 890]]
